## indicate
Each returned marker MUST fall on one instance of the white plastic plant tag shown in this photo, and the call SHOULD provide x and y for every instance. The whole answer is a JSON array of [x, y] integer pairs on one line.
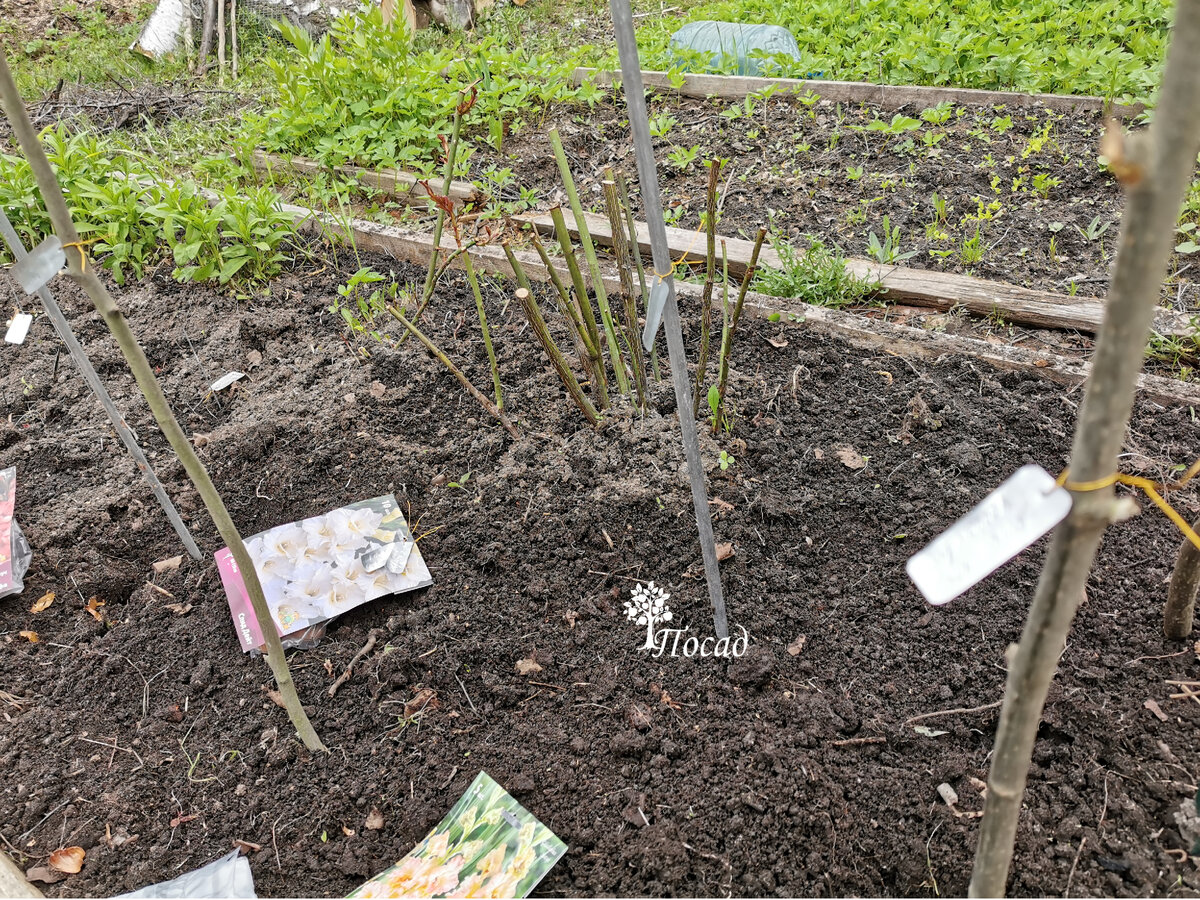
[[654, 312], [1008, 520], [225, 381], [18, 328], [45, 261]]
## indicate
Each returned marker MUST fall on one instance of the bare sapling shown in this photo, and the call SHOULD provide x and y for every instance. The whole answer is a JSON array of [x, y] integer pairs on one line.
[[221, 42], [1154, 168], [208, 27], [491, 408], [589, 253], [710, 266], [730, 330], [84, 274], [629, 318], [635, 243]]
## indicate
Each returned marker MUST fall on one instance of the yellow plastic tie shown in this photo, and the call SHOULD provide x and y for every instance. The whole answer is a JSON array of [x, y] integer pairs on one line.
[[79, 245], [1147, 486], [682, 259]]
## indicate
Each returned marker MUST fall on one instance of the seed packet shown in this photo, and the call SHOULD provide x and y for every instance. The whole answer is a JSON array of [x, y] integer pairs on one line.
[[489, 845], [15, 554], [319, 568]]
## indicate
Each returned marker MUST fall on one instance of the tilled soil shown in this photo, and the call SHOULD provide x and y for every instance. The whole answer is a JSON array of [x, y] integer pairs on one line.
[[148, 738]]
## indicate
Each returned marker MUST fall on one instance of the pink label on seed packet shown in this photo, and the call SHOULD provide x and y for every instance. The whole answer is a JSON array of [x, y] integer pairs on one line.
[[321, 567], [8, 495]]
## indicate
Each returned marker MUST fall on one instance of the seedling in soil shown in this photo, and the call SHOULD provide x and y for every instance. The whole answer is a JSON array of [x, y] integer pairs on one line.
[[726, 461], [815, 275], [972, 249], [682, 157], [1094, 231], [887, 251], [940, 114], [1044, 183], [853, 173]]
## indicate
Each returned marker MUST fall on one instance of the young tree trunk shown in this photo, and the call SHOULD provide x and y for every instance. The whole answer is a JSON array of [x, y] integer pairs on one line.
[[85, 276], [1155, 172], [1181, 595]]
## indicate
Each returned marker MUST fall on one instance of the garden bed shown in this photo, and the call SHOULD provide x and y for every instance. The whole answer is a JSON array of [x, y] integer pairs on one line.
[[779, 773]]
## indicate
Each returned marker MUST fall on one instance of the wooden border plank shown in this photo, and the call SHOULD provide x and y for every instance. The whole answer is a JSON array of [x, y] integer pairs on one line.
[[736, 87], [403, 186], [917, 287], [855, 329]]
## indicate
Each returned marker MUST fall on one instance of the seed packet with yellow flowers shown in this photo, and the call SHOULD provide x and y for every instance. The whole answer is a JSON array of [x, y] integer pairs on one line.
[[489, 845]]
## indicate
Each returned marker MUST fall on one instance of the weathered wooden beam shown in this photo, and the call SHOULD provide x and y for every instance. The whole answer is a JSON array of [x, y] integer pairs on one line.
[[403, 186], [918, 287], [857, 330], [737, 87]]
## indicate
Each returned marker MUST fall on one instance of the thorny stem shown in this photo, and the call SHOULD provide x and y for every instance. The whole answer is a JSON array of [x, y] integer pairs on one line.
[[1155, 168], [730, 331], [483, 326], [583, 301], [454, 370], [629, 309], [589, 354], [85, 276], [589, 252], [710, 263], [534, 314]]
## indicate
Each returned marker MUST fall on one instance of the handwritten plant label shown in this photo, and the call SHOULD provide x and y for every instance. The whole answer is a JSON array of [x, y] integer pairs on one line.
[[1007, 521], [324, 566], [488, 845]]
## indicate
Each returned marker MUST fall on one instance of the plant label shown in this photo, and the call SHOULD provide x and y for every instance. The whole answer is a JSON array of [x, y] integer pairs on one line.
[[18, 328], [45, 261], [654, 312], [1007, 521]]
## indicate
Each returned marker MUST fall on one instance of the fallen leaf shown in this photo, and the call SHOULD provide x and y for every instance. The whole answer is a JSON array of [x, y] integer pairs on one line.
[[276, 698], [254, 358], [721, 504], [31, 636], [778, 343], [328, 668], [93, 607], [928, 732], [527, 666], [43, 603], [44, 874], [425, 699], [797, 645], [818, 453], [179, 608], [1157, 710], [179, 820], [348, 832], [851, 458], [378, 389], [67, 859], [570, 616], [374, 820], [1041, 363], [246, 847], [724, 552], [167, 565]]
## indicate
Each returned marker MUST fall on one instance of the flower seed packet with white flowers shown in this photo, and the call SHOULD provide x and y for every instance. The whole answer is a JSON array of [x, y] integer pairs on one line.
[[488, 845], [314, 570]]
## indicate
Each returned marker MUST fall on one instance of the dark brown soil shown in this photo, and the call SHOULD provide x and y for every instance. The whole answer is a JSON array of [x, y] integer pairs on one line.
[[779, 774]]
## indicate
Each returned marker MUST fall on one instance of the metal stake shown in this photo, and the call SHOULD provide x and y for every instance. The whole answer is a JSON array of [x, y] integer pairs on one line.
[[63, 328], [666, 307]]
